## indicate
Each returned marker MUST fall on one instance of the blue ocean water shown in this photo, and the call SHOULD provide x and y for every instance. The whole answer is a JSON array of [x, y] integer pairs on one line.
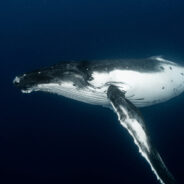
[[49, 139]]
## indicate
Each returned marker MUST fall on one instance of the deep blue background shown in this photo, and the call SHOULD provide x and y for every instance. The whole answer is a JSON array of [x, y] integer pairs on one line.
[[50, 139]]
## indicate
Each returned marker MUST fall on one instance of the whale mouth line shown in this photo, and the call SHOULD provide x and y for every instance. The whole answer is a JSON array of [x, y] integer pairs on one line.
[[30, 89]]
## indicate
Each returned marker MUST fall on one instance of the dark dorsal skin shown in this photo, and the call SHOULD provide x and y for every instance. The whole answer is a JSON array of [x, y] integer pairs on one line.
[[141, 65], [86, 68]]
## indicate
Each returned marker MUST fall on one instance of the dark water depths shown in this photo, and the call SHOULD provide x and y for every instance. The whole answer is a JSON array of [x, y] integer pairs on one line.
[[50, 139]]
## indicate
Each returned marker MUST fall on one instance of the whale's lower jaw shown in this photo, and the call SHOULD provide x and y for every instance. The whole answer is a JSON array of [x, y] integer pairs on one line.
[[67, 90], [86, 95]]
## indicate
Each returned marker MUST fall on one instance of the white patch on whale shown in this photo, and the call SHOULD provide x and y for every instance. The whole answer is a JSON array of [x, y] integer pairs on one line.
[[145, 86]]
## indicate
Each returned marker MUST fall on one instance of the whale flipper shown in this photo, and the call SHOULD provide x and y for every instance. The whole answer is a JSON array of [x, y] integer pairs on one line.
[[130, 118]]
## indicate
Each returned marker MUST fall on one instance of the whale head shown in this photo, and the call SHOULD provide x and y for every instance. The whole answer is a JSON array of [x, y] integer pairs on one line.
[[56, 78]]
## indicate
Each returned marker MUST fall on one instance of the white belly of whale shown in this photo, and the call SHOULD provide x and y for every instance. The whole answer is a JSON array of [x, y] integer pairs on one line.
[[83, 95], [144, 89]]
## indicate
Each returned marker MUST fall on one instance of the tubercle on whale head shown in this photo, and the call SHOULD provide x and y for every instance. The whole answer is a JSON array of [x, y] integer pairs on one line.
[[56, 74]]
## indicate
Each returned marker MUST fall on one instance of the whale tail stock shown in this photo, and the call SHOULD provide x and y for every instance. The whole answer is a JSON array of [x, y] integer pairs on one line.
[[130, 118]]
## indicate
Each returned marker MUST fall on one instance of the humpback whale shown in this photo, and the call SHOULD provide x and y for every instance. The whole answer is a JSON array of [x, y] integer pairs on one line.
[[123, 85]]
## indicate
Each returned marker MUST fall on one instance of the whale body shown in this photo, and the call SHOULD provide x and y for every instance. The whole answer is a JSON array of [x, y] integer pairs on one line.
[[121, 84]]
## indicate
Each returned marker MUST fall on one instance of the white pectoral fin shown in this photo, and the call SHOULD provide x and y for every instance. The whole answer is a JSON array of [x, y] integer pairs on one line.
[[130, 118]]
